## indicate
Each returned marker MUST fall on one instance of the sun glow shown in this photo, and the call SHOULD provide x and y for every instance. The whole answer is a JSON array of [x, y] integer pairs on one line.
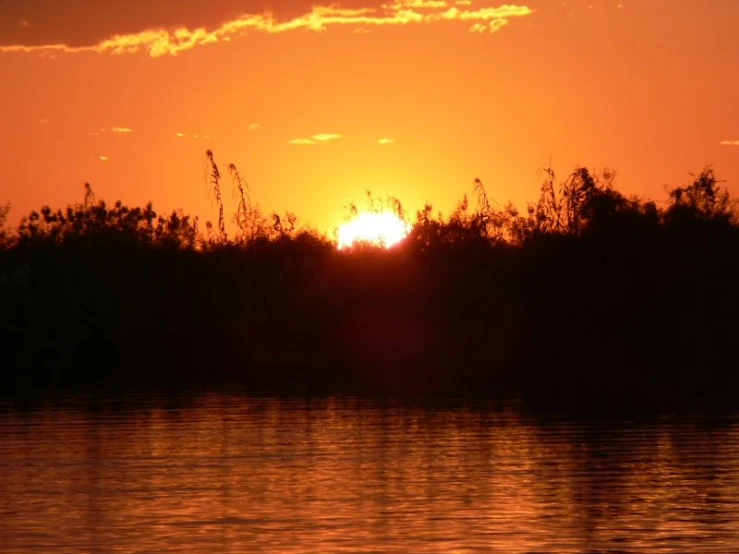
[[384, 229]]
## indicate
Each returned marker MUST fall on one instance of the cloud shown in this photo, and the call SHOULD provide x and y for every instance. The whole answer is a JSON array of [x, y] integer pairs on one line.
[[490, 27], [195, 136], [116, 130], [161, 41], [385, 141], [253, 126], [101, 158], [326, 137], [730, 143], [315, 139], [422, 4]]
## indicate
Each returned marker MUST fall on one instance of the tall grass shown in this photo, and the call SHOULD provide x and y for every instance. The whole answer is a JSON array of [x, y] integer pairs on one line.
[[213, 178], [243, 200], [4, 211], [586, 293], [89, 196]]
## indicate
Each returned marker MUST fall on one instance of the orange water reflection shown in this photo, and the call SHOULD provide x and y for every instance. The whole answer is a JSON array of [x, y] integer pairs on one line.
[[229, 473]]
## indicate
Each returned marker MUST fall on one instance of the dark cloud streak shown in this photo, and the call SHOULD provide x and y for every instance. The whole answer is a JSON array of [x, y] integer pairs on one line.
[[85, 22], [149, 34]]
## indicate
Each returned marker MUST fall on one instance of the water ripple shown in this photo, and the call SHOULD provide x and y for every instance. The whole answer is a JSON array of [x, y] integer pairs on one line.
[[232, 473]]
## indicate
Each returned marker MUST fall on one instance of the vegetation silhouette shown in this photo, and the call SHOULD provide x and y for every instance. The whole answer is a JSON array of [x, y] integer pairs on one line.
[[586, 297]]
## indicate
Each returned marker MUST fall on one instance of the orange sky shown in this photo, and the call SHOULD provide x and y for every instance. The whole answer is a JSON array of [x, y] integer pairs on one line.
[[463, 90]]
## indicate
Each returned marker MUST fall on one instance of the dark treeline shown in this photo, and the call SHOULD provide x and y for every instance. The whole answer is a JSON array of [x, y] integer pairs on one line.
[[588, 296]]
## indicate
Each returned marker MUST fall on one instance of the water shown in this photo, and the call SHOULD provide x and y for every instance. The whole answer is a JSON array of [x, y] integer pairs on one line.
[[230, 473]]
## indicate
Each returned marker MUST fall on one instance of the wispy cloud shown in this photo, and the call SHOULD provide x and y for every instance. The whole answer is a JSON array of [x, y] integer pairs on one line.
[[161, 42], [385, 141], [490, 27], [117, 130], [197, 136], [315, 139], [730, 143], [253, 126], [324, 137], [421, 4]]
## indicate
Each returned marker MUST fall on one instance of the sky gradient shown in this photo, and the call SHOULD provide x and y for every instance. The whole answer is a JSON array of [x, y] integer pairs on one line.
[[316, 104]]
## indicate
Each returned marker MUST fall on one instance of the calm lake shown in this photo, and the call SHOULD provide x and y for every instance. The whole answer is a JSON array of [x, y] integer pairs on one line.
[[225, 472]]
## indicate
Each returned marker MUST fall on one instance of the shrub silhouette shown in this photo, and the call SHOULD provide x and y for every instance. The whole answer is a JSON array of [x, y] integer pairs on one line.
[[588, 296]]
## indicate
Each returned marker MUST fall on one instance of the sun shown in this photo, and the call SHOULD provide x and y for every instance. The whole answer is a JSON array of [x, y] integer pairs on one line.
[[384, 229]]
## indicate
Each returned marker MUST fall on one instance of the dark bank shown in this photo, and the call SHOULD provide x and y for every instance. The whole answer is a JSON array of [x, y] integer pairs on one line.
[[586, 297]]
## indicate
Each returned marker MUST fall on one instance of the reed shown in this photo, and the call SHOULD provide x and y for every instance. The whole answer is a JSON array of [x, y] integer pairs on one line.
[[89, 201], [213, 178], [242, 198], [4, 211], [586, 290]]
